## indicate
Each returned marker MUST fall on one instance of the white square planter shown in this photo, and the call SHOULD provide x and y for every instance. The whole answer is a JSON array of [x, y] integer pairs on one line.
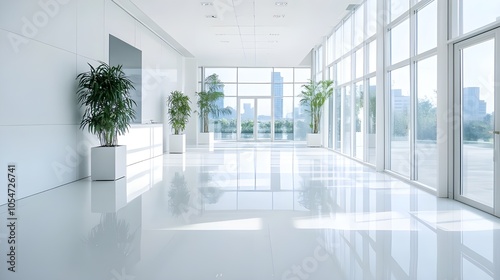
[[177, 144], [206, 138], [314, 140], [108, 163], [108, 196]]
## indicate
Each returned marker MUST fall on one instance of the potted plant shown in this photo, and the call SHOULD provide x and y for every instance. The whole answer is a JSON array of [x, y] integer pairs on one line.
[[104, 91], [208, 105], [314, 96], [179, 111]]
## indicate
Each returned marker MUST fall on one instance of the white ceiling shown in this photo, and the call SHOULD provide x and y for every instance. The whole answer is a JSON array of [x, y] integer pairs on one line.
[[246, 32]]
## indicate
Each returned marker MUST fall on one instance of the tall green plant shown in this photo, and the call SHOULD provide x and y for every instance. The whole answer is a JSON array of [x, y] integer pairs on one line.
[[104, 91], [179, 111], [207, 100], [314, 96]]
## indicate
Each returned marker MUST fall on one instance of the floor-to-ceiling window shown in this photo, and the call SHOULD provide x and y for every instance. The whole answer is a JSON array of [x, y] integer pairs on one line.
[[412, 90], [263, 103], [476, 51], [353, 46]]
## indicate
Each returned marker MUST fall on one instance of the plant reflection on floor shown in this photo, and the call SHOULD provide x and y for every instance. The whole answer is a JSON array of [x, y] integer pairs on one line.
[[109, 244], [178, 195], [211, 195], [316, 197]]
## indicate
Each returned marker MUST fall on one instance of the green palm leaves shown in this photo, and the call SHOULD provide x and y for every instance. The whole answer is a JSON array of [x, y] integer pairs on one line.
[[314, 96], [104, 91], [207, 100], [179, 111]]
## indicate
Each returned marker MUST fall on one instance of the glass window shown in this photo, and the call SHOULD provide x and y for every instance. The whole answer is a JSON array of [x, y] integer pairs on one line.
[[347, 69], [226, 75], [359, 63], [347, 120], [400, 42], [254, 89], [302, 120], [478, 120], [426, 122], [287, 89], [280, 89], [347, 44], [297, 88], [229, 89], [329, 49], [400, 120], [359, 125], [398, 7], [359, 24], [427, 28], [371, 17], [224, 127], [338, 43], [338, 119], [254, 75], [281, 83], [302, 75], [372, 56], [285, 73], [371, 120], [283, 118], [339, 72], [476, 14], [319, 59]]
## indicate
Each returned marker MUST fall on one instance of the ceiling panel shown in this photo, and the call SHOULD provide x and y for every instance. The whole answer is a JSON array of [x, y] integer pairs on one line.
[[285, 34]]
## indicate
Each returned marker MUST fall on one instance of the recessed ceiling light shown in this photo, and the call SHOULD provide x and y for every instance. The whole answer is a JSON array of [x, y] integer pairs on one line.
[[207, 4], [281, 4]]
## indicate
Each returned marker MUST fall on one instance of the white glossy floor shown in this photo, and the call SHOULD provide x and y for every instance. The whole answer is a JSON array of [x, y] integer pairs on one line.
[[250, 211]]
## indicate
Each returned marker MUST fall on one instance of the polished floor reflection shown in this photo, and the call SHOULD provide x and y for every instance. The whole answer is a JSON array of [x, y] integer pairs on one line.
[[253, 211]]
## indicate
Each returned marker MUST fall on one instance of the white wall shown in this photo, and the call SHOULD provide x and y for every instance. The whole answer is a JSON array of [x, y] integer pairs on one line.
[[190, 88], [44, 44]]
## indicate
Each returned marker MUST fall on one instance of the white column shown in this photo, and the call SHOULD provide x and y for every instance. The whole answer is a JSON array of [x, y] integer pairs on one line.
[[444, 106], [189, 86], [380, 108]]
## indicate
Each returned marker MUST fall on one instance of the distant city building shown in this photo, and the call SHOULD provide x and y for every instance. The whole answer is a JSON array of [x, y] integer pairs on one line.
[[248, 112], [400, 102], [474, 109], [277, 88]]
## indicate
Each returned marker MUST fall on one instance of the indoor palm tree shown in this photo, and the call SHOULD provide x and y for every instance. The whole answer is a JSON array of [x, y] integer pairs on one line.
[[179, 111], [207, 100], [104, 91], [314, 96]]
